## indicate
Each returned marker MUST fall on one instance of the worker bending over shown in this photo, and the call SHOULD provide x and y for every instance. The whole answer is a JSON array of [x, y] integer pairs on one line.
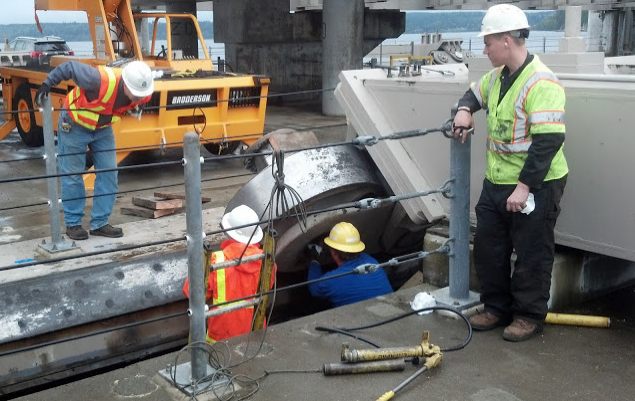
[[100, 98], [234, 282], [346, 250], [524, 103]]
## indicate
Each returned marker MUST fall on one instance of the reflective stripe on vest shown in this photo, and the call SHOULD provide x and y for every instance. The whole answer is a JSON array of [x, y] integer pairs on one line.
[[477, 90], [220, 293]]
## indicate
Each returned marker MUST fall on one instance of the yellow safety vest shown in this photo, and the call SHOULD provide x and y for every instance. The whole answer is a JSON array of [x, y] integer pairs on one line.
[[533, 105]]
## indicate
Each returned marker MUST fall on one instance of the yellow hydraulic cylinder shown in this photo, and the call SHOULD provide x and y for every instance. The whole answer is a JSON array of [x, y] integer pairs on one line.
[[390, 365], [424, 349], [578, 320]]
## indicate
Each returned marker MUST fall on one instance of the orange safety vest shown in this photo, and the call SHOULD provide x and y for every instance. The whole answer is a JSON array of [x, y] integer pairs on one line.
[[231, 283], [86, 113]]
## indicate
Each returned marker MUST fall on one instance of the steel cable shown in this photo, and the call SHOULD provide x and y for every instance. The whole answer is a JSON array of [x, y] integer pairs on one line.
[[175, 144], [363, 141], [193, 105], [359, 204], [126, 191]]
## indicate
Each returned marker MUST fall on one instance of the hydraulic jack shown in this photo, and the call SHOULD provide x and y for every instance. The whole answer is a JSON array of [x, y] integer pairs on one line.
[[423, 350], [431, 353]]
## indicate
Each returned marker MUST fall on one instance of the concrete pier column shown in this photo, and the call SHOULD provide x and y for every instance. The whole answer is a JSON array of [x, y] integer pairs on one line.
[[572, 42], [602, 32], [143, 31], [342, 46], [184, 35]]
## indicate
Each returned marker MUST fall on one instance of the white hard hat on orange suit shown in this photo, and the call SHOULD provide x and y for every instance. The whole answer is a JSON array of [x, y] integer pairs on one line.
[[241, 216]]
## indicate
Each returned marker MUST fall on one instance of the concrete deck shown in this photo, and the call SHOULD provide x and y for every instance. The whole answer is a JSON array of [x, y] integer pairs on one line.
[[562, 363]]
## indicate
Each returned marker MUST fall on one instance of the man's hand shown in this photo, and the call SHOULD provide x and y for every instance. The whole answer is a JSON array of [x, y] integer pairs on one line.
[[518, 199], [313, 251], [463, 121], [39, 95]]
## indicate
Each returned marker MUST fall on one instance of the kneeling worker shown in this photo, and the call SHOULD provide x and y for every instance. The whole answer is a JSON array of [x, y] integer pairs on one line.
[[234, 282], [346, 250]]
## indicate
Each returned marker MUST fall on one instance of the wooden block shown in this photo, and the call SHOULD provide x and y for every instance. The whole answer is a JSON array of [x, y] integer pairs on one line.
[[166, 195], [144, 212], [157, 203]]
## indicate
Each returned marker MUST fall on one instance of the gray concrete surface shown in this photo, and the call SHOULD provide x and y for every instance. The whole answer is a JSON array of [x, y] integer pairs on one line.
[[562, 363]]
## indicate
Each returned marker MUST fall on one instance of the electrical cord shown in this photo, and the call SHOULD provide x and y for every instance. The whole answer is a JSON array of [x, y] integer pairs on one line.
[[347, 331]]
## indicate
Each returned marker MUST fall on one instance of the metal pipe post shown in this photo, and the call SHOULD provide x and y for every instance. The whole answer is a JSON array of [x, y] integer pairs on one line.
[[51, 169], [194, 223], [460, 159]]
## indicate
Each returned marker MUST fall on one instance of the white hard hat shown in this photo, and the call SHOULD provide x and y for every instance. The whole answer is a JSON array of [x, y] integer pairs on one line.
[[138, 78], [503, 18], [240, 216]]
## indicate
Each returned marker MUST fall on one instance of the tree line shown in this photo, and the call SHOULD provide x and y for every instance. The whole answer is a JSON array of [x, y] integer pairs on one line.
[[78, 31], [470, 21], [416, 22]]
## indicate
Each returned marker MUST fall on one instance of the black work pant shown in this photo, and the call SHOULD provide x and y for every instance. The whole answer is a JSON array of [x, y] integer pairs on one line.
[[525, 292]]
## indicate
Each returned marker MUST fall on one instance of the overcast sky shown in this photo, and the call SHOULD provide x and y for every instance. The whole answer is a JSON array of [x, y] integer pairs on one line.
[[22, 12]]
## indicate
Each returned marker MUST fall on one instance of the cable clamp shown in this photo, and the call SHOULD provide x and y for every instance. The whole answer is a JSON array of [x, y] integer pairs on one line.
[[366, 140], [367, 268], [392, 262], [369, 203]]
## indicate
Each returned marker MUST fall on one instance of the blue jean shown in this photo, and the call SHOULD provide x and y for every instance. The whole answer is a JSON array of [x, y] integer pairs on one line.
[[77, 140]]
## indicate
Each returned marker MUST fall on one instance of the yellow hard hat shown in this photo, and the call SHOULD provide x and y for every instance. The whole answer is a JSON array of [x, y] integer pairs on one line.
[[345, 237]]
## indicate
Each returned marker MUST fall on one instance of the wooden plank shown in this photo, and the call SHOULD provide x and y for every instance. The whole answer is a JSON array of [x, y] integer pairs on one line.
[[149, 213], [167, 195], [157, 203]]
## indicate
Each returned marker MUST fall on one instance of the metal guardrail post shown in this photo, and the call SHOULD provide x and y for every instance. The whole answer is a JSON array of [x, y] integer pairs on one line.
[[458, 294], [194, 224], [51, 169], [460, 159]]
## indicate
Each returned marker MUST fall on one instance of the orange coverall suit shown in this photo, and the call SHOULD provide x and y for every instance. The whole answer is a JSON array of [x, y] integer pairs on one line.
[[231, 283]]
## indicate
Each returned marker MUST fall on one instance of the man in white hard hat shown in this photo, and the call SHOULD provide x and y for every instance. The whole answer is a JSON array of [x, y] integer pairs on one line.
[[525, 105], [345, 247], [234, 282], [101, 96]]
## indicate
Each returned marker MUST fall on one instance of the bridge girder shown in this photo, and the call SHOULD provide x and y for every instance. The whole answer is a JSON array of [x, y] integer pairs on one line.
[[412, 5]]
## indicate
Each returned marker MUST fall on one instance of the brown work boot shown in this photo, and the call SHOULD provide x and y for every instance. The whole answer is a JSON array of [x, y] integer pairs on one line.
[[76, 233], [108, 231], [486, 321], [521, 330]]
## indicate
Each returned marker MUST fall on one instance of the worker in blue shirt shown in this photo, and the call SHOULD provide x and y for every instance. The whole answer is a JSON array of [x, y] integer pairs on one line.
[[346, 250]]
